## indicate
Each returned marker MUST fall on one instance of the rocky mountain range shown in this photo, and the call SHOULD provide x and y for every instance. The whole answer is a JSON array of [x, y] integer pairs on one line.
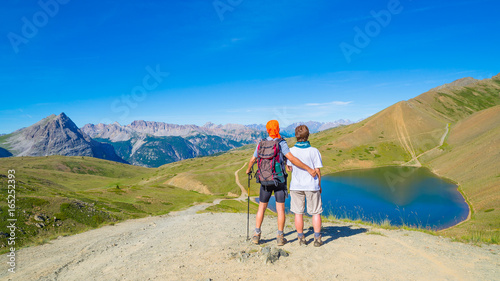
[[314, 127], [54, 135], [116, 132], [152, 144], [143, 143]]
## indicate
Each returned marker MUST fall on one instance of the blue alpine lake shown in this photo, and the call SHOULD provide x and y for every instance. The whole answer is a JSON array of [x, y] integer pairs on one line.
[[402, 195]]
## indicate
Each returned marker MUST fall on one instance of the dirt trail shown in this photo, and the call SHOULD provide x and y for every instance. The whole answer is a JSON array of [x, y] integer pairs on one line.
[[403, 135], [441, 142], [244, 193], [190, 246]]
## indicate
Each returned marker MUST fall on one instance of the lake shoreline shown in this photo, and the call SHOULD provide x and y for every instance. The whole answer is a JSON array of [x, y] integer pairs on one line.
[[427, 169]]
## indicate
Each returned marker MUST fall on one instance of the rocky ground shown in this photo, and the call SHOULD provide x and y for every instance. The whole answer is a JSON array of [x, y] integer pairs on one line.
[[190, 246]]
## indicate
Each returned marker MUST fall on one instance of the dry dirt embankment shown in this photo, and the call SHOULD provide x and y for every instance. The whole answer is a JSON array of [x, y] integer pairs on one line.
[[190, 246]]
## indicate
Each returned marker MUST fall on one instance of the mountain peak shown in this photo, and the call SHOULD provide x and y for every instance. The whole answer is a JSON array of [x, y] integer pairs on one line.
[[209, 125], [462, 82], [58, 135]]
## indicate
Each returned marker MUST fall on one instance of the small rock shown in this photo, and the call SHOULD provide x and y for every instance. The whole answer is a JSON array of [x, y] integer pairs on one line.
[[272, 254], [40, 225], [244, 257], [266, 250], [283, 253], [39, 218]]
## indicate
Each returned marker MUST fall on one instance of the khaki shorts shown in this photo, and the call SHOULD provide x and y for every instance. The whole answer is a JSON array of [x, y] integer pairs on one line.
[[297, 202]]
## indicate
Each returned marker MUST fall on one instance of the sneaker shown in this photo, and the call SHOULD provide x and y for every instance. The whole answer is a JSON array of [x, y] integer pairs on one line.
[[281, 240], [302, 241], [256, 238], [318, 242]]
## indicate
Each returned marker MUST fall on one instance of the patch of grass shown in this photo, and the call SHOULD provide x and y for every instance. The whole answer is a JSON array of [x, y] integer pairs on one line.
[[479, 237], [83, 214], [385, 224], [32, 202], [131, 208], [371, 232], [445, 146], [232, 206]]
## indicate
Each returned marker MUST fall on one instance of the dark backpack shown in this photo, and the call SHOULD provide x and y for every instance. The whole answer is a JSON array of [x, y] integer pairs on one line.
[[271, 163]]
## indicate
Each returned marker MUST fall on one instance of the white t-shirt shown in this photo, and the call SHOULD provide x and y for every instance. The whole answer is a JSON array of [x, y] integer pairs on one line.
[[301, 179]]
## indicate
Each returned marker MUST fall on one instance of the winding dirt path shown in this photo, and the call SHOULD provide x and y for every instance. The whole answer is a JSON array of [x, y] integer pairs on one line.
[[441, 142], [403, 135], [244, 193], [190, 246]]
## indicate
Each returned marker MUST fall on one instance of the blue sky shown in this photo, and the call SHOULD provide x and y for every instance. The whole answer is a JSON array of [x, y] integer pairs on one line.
[[236, 61]]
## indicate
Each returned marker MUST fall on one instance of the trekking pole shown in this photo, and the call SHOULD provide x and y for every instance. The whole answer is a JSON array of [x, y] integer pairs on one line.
[[248, 205]]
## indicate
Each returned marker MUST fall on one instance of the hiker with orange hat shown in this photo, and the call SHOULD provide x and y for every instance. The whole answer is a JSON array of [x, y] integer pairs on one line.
[[271, 154]]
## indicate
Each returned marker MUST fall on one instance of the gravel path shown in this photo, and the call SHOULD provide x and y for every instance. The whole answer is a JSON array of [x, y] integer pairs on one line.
[[190, 246]]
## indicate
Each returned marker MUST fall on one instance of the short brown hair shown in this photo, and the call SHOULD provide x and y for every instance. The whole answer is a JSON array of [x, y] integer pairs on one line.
[[302, 133]]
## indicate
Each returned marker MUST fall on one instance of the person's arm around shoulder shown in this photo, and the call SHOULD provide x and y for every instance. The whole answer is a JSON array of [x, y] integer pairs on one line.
[[288, 166], [318, 163], [295, 161], [318, 172]]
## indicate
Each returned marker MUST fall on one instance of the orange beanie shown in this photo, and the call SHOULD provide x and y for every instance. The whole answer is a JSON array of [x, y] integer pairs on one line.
[[273, 128]]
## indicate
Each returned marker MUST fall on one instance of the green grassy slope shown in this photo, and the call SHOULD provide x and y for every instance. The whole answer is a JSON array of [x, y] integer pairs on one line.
[[77, 193], [471, 159]]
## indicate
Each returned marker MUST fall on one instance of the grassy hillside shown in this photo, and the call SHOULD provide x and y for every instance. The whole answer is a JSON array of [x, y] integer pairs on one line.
[[470, 157], [72, 194]]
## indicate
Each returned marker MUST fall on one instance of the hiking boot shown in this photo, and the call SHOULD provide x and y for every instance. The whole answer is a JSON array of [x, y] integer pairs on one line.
[[302, 241], [256, 238], [318, 242], [281, 240]]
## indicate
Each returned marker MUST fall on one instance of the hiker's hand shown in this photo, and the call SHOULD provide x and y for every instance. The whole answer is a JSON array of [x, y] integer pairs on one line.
[[288, 168], [312, 173], [249, 171]]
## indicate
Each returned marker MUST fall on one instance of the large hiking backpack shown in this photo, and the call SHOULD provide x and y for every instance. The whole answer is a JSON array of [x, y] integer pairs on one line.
[[271, 163]]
